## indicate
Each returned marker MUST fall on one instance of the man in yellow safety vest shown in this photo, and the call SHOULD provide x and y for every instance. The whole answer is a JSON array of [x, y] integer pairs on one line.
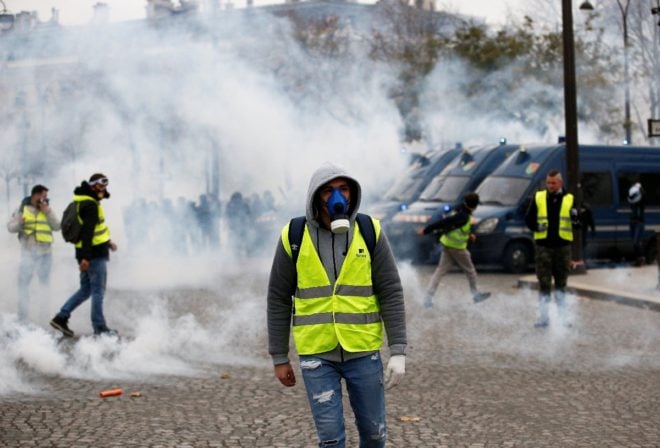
[[551, 215], [455, 233], [92, 253], [336, 284], [34, 221]]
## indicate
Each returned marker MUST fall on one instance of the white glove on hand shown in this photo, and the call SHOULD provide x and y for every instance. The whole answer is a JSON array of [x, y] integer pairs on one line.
[[395, 370]]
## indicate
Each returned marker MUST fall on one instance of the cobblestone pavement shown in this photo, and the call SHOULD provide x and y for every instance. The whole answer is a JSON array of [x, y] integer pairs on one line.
[[477, 376]]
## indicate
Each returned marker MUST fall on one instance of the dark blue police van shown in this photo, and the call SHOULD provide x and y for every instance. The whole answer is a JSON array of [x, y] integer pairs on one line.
[[443, 192], [607, 172], [407, 187]]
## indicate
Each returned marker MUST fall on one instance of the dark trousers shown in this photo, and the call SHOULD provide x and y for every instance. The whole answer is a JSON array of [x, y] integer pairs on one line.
[[552, 262], [636, 232]]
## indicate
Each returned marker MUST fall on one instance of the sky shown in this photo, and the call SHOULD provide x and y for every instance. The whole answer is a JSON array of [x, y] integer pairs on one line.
[[75, 12]]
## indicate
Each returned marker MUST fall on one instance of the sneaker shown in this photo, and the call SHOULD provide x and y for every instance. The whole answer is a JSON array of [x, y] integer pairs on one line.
[[105, 331], [428, 302], [61, 325], [480, 296]]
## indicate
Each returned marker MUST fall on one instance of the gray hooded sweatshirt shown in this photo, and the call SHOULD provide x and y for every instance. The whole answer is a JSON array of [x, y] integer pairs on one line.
[[332, 249]]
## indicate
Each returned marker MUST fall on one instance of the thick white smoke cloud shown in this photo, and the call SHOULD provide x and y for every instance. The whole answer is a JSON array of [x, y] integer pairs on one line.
[[159, 111], [169, 115]]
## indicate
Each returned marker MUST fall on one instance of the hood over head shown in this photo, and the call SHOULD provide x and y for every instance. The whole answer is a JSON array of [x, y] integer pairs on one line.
[[322, 176]]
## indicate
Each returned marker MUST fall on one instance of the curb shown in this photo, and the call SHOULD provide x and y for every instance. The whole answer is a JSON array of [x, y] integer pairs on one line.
[[605, 294]]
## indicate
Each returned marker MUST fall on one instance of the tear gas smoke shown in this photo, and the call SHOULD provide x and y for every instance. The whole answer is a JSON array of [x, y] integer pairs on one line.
[[180, 119]]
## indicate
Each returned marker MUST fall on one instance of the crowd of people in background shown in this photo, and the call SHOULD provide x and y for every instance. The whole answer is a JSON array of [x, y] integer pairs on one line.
[[187, 227]]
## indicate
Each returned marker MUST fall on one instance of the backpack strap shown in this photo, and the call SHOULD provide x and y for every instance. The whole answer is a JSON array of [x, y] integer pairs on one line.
[[368, 232], [24, 202], [296, 230]]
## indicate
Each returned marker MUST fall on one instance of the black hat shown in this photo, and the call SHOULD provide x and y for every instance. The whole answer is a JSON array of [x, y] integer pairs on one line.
[[471, 200]]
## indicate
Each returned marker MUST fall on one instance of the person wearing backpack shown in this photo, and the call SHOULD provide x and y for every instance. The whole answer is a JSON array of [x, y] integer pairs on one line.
[[92, 253], [334, 283], [34, 221], [455, 232]]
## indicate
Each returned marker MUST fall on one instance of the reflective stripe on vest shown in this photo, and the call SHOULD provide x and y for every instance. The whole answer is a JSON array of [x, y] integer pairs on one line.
[[457, 238], [565, 224], [37, 225], [346, 313], [101, 231]]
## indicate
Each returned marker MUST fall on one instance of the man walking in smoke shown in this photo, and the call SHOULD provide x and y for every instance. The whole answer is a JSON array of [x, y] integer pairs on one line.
[[92, 253], [34, 221], [455, 232], [338, 268], [551, 216]]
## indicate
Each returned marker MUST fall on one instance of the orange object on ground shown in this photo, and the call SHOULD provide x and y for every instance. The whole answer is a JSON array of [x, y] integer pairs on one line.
[[110, 393]]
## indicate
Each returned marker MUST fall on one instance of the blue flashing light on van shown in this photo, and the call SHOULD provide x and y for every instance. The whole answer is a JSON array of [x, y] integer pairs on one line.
[[607, 172], [407, 188]]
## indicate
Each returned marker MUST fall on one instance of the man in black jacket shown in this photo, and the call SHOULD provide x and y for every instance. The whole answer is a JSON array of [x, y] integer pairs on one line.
[[551, 215], [455, 233], [92, 253]]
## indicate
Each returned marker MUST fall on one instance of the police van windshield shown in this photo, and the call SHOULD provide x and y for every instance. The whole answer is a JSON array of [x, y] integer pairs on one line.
[[447, 191], [502, 190], [405, 189]]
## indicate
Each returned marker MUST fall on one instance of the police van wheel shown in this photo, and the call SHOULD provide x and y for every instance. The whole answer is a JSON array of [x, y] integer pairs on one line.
[[517, 257]]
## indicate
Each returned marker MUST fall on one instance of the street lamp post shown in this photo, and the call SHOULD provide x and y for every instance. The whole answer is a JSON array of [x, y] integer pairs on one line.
[[627, 124], [570, 115]]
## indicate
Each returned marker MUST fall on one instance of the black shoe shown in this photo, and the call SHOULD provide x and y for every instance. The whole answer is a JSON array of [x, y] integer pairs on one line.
[[480, 296], [61, 325], [105, 331], [541, 324]]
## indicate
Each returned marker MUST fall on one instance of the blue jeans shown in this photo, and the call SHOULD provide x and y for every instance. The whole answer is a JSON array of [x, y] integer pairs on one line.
[[366, 392], [92, 283], [31, 262]]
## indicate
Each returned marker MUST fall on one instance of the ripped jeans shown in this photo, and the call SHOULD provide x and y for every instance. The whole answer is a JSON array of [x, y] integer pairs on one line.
[[366, 392]]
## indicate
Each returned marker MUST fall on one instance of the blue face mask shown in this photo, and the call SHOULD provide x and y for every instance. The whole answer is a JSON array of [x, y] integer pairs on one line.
[[337, 205], [338, 210]]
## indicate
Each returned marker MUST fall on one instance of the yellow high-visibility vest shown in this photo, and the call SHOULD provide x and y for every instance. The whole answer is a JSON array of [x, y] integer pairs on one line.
[[565, 224], [37, 225], [457, 238], [101, 231], [346, 313]]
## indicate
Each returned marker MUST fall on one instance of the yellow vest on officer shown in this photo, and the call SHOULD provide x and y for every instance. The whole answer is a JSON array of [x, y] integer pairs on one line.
[[346, 313], [101, 231], [459, 237], [37, 225], [565, 224]]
